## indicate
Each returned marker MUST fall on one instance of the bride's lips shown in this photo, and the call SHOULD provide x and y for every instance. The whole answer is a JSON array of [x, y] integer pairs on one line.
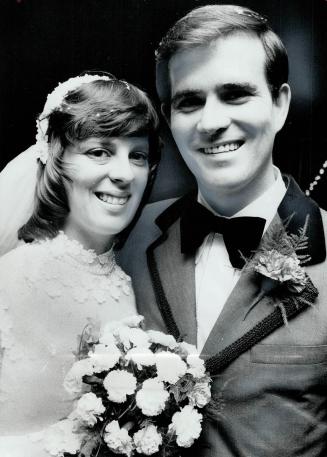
[[117, 200], [221, 147]]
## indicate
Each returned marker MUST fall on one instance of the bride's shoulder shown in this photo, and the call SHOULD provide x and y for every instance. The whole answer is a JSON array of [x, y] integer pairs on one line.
[[25, 256]]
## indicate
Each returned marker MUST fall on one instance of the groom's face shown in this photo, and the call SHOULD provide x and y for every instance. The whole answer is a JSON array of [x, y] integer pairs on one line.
[[223, 117]]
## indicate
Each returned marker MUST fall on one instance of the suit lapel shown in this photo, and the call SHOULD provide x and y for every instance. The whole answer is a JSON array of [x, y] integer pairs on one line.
[[173, 273], [234, 321], [173, 276], [237, 317]]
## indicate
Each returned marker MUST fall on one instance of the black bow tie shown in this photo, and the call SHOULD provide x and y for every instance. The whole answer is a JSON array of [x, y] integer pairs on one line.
[[241, 235]]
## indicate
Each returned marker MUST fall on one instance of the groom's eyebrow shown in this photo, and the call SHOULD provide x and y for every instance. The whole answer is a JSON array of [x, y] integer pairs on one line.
[[187, 93]]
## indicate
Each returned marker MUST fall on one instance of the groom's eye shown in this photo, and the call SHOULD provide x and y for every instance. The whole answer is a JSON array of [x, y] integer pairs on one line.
[[187, 104]]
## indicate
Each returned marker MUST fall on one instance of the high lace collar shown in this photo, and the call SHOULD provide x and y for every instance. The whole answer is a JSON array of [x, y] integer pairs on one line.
[[63, 247]]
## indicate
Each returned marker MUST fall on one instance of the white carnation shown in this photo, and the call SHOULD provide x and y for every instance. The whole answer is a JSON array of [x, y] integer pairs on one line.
[[61, 437], [187, 348], [118, 439], [89, 407], [119, 384], [133, 321], [73, 382], [170, 367], [163, 339], [132, 337], [107, 336], [200, 394], [152, 397], [142, 357], [196, 366], [147, 440], [187, 426], [104, 357]]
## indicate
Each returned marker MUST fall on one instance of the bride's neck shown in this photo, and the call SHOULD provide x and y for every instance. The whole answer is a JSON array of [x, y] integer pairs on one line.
[[99, 243]]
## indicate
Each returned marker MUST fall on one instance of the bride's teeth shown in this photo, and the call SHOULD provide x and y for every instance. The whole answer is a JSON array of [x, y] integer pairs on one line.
[[113, 200], [222, 148]]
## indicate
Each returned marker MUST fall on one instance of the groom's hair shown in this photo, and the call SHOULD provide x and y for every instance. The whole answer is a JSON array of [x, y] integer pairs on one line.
[[202, 26], [100, 108]]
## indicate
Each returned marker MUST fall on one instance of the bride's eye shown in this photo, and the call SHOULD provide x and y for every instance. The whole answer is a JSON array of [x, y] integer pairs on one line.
[[99, 154], [139, 157]]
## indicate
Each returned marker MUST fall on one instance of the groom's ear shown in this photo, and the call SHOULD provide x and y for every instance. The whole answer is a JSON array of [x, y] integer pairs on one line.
[[165, 111]]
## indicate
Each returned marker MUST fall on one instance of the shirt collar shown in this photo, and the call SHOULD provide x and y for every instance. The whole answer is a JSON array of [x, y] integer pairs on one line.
[[264, 206]]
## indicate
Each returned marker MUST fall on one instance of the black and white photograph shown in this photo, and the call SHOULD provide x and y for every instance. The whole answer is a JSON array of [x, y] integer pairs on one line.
[[163, 227]]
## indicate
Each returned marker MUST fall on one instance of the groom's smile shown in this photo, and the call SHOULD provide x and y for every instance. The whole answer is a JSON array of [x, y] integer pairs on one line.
[[223, 117]]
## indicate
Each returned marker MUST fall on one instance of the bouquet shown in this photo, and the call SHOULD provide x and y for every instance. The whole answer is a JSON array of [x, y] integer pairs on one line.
[[138, 393]]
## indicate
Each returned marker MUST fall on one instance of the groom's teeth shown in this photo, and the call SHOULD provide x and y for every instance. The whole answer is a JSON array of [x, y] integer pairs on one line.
[[113, 200], [222, 148]]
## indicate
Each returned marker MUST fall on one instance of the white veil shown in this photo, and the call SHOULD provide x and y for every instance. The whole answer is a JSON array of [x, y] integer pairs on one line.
[[18, 178], [17, 190]]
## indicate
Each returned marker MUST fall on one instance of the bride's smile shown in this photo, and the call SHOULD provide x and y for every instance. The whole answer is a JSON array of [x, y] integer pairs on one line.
[[107, 179]]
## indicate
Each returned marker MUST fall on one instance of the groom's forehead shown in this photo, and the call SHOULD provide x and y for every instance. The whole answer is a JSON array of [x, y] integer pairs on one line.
[[236, 60]]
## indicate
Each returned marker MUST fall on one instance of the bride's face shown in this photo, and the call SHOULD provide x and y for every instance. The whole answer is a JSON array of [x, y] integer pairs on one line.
[[108, 179]]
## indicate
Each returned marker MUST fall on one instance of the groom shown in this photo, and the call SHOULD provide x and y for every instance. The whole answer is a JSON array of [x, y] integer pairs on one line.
[[222, 80]]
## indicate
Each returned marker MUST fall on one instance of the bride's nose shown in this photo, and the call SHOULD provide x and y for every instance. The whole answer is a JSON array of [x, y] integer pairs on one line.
[[120, 169]]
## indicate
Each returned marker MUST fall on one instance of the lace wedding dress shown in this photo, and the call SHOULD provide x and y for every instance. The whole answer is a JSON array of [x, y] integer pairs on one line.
[[49, 291]]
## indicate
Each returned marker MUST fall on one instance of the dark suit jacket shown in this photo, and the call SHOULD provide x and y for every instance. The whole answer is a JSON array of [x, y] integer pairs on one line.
[[271, 401]]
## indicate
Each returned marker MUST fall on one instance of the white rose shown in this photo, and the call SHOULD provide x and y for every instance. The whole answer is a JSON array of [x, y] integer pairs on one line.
[[147, 440], [187, 426], [141, 357], [170, 367], [89, 407], [152, 397], [73, 382], [118, 439], [119, 384], [163, 339]]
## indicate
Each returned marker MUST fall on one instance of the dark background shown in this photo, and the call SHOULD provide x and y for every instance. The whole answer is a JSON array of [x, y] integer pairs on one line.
[[47, 41]]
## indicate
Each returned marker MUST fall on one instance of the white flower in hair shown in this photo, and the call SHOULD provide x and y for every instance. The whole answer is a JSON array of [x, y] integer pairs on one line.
[[54, 101]]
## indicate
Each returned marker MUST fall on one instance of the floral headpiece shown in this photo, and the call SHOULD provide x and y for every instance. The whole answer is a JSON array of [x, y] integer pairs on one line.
[[54, 101]]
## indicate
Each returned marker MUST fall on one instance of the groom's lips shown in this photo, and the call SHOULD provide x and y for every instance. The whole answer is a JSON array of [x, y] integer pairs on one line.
[[221, 147]]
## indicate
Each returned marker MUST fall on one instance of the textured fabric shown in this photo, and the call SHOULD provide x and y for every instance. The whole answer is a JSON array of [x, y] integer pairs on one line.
[[271, 400], [49, 291]]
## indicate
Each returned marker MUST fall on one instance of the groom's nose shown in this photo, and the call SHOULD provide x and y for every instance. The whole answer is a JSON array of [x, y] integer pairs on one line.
[[213, 116]]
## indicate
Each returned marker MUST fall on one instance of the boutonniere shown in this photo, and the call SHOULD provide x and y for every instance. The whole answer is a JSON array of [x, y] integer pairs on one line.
[[279, 264]]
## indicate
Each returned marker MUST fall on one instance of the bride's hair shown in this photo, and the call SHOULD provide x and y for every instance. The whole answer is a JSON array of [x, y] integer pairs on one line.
[[95, 109]]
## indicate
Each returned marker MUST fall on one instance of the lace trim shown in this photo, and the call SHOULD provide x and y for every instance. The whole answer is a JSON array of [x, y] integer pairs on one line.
[[75, 253]]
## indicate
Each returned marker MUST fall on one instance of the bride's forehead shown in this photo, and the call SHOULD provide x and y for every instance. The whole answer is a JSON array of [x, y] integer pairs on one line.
[[112, 141]]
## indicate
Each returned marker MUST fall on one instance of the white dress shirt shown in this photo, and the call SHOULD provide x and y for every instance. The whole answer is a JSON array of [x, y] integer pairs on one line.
[[215, 277]]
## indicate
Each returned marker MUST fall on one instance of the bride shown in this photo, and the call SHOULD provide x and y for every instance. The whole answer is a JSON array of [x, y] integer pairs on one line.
[[95, 155]]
